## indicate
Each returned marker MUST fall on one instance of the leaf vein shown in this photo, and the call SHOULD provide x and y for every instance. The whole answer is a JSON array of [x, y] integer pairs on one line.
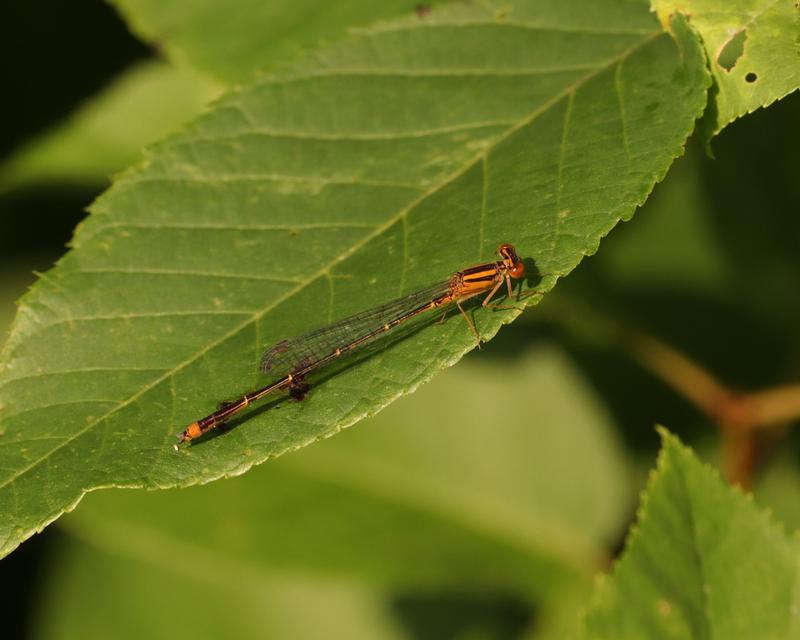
[[621, 100], [187, 226], [77, 371], [314, 181], [462, 72], [519, 24], [484, 196], [182, 272], [136, 316], [63, 403], [560, 215], [695, 553], [353, 136]]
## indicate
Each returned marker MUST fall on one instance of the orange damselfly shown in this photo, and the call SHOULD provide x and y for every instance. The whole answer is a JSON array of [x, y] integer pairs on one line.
[[291, 360]]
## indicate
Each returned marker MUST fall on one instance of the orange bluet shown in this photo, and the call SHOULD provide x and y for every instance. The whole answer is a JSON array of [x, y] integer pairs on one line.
[[291, 360]]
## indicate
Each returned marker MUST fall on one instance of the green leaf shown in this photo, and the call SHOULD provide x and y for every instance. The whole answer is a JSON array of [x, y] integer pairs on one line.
[[702, 562], [778, 488], [104, 136], [97, 593], [232, 40], [457, 489], [752, 48], [365, 172]]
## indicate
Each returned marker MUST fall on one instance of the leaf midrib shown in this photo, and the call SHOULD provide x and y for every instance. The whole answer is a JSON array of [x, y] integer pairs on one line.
[[517, 24], [402, 213], [697, 556]]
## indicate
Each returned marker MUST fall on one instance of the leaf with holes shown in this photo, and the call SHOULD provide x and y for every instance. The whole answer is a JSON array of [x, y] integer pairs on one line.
[[702, 563], [361, 173], [752, 52]]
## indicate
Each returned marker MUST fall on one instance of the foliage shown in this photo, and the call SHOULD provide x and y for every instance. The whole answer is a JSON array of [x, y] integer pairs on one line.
[[189, 264], [686, 572], [336, 176], [752, 49]]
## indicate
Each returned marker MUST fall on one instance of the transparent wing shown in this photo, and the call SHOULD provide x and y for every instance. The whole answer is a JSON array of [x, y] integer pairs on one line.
[[287, 356]]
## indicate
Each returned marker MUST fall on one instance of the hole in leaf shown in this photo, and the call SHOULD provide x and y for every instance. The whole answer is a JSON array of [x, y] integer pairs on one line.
[[732, 50], [751, 77]]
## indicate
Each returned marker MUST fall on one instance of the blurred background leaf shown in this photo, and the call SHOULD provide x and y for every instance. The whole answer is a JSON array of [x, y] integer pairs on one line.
[[232, 41], [131, 596]]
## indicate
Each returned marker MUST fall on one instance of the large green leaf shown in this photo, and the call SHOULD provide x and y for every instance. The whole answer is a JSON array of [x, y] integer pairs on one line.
[[752, 47], [364, 172], [233, 39], [701, 563], [486, 503]]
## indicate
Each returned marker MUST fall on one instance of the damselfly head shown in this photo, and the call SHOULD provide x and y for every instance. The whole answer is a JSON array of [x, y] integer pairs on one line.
[[515, 266]]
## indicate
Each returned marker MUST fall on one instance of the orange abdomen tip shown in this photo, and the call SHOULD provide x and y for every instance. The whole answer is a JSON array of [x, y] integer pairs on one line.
[[191, 432]]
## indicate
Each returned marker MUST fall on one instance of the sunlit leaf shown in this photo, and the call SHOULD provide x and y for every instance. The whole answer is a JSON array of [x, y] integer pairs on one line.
[[364, 172]]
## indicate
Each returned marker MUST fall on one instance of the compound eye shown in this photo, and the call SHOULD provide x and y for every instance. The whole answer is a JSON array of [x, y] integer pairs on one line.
[[517, 271], [506, 250]]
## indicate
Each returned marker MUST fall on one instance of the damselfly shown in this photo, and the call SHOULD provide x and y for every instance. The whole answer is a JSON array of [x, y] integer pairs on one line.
[[291, 360]]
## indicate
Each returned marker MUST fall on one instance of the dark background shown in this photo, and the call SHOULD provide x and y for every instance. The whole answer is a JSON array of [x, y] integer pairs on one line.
[[54, 56]]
